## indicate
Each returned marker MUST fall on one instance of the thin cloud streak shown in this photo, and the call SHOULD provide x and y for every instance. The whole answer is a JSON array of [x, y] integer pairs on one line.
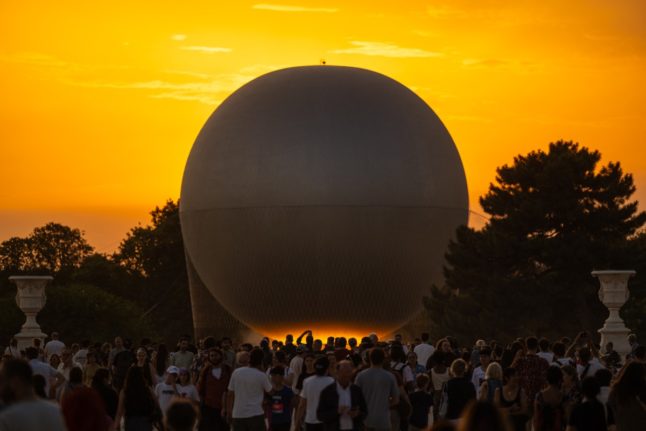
[[381, 49], [293, 8], [206, 49]]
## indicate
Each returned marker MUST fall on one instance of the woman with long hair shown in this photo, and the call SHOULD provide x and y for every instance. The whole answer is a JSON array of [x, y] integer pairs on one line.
[[549, 406], [627, 399], [571, 388], [512, 398], [101, 384], [161, 362], [137, 404], [492, 382]]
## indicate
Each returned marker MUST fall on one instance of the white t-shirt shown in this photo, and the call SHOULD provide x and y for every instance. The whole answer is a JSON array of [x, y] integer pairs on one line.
[[165, 394], [43, 369], [54, 347], [594, 367], [423, 351], [31, 416], [189, 392], [548, 356], [249, 386], [80, 357], [404, 369], [312, 387], [477, 378]]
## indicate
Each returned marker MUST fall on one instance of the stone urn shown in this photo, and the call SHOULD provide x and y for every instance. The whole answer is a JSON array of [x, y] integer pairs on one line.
[[613, 293], [30, 298]]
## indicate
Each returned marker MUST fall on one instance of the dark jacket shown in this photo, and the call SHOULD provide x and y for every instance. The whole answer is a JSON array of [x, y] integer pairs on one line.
[[328, 408]]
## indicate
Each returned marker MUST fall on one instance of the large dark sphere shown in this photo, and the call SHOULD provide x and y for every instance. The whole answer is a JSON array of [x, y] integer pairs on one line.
[[322, 197]]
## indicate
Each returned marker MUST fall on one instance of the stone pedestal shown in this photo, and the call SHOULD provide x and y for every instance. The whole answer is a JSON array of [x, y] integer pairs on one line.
[[30, 299], [614, 294]]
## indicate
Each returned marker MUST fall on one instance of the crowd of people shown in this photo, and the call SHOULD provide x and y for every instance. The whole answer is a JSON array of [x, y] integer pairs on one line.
[[337, 385]]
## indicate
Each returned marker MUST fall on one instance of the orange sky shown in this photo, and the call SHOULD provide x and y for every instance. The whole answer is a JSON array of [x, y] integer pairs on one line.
[[101, 101]]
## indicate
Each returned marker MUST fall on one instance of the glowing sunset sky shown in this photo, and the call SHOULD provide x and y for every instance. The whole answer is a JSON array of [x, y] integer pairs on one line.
[[101, 101]]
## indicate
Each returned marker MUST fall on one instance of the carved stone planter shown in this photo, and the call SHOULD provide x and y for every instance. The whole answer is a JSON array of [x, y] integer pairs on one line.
[[30, 298], [613, 293]]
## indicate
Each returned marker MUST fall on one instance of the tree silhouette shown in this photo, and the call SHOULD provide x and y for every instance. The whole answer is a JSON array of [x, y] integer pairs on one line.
[[555, 216]]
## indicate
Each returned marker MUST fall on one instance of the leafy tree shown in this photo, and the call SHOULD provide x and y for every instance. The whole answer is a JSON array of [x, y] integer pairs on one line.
[[554, 217], [54, 249], [153, 255]]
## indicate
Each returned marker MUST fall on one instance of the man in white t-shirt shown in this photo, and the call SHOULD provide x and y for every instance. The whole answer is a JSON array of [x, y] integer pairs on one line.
[[166, 391], [41, 368], [54, 346], [247, 388], [25, 412], [424, 350], [296, 367], [478, 375], [310, 395]]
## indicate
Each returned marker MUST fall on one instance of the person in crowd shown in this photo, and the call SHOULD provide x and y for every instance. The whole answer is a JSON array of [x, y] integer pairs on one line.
[[458, 391], [544, 350], [570, 388], [632, 341], [84, 410], [166, 391], [424, 349], [478, 375], [379, 389], [307, 371], [212, 387], [513, 399], [228, 354], [398, 364], [627, 399], [186, 388], [143, 361], [587, 365], [101, 384], [439, 373], [341, 405], [558, 357], [492, 381], [53, 377], [40, 384], [353, 345], [74, 382], [421, 401], [310, 395], [480, 416], [123, 359], [242, 359], [415, 367], [118, 347], [137, 404], [91, 367], [341, 350], [12, 349], [281, 401], [549, 405], [23, 409], [531, 369], [80, 356], [180, 416], [54, 346], [604, 378], [183, 357], [289, 347], [473, 358], [590, 414], [610, 358], [160, 362], [54, 361], [246, 392], [103, 355]]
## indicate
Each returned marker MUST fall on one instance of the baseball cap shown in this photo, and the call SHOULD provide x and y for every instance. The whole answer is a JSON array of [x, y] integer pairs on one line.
[[172, 370]]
